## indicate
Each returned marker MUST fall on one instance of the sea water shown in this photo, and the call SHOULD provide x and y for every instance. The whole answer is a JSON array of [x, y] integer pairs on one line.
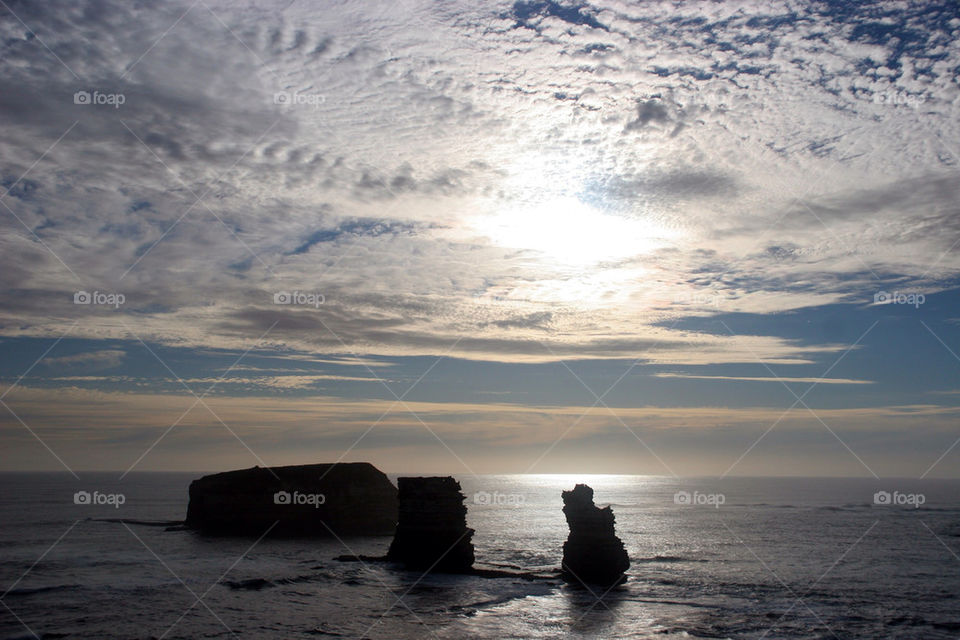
[[738, 558]]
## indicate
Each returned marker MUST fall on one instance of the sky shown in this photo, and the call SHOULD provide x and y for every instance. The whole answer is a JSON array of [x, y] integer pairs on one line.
[[668, 238]]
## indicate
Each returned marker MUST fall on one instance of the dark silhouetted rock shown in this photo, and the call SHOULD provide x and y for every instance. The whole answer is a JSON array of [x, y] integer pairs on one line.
[[432, 532], [352, 498], [592, 553]]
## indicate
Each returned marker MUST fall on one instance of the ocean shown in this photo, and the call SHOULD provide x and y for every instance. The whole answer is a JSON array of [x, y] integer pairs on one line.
[[737, 558]]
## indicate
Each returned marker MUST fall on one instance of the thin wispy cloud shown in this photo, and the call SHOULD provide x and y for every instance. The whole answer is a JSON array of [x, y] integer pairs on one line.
[[763, 379]]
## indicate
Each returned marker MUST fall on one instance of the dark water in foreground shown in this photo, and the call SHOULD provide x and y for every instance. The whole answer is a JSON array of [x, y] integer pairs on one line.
[[780, 558]]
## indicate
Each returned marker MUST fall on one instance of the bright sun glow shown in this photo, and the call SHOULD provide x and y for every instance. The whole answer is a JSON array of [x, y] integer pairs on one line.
[[568, 231]]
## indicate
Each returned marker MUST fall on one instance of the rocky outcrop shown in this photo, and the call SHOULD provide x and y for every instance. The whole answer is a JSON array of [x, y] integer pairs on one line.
[[432, 533], [346, 499], [593, 553]]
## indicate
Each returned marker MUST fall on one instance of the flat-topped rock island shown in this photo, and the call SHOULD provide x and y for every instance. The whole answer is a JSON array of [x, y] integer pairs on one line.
[[312, 500]]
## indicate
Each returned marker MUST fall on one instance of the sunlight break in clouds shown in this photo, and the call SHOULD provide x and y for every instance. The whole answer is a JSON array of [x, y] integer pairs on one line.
[[625, 183]]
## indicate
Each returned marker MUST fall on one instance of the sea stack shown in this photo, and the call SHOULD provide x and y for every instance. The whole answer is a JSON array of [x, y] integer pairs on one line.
[[592, 554], [432, 533], [309, 500]]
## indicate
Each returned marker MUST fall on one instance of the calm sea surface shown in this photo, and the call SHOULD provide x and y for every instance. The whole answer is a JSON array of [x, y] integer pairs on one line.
[[739, 558]]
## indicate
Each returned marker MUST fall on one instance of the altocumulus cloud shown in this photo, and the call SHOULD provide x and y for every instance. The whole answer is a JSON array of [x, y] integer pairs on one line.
[[379, 175]]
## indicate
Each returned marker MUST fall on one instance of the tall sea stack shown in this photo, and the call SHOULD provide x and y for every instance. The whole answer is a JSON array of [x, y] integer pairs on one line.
[[592, 553], [432, 533]]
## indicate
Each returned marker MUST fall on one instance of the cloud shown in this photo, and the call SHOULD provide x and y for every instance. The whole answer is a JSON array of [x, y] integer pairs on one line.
[[368, 228], [778, 379], [528, 14], [91, 361], [91, 428], [263, 383], [763, 151], [648, 111]]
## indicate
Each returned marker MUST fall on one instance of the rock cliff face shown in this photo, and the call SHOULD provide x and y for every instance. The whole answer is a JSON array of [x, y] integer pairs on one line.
[[593, 553], [350, 498], [432, 532]]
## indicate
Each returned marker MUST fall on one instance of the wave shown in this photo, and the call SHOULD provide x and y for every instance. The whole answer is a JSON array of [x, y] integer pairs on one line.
[[31, 591], [472, 608], [323, 632], [946, 626], [143, 523], [251, 584], [764, 504], [850, 506], [256, 584], [919, 621], [669, 559], [312, 577]]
